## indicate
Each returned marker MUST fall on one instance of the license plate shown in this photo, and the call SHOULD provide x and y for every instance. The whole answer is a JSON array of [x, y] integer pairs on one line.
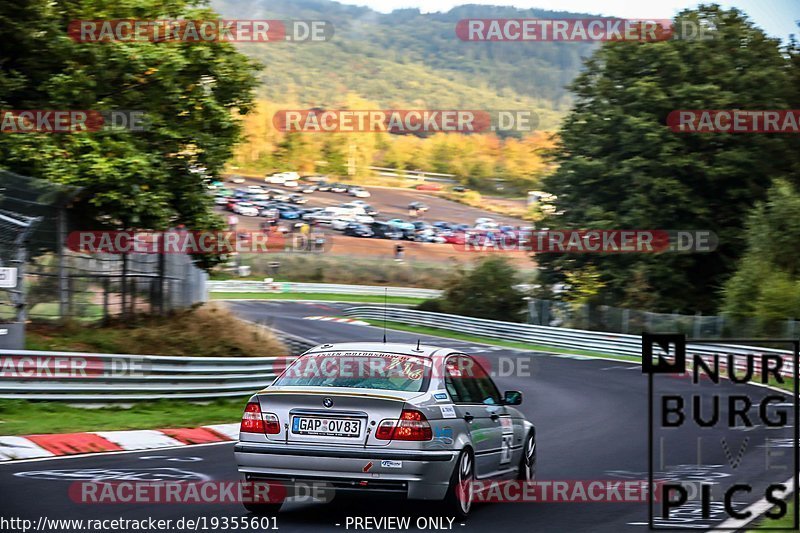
[[328, 427]]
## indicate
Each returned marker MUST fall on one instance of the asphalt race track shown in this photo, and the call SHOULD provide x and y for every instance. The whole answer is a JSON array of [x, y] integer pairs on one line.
[[591, 419]]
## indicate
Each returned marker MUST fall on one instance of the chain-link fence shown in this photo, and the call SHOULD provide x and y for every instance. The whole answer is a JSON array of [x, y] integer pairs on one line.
[[61, 284], [622, 320]]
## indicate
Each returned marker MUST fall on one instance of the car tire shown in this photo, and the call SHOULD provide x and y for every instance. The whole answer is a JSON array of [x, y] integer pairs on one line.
[[459, 498], [263, 509], [527, 463]]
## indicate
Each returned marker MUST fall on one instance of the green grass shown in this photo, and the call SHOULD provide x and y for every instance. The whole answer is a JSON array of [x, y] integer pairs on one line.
[[22, 417], [424, 330], [100, 340], [783, 524], [363, 298]]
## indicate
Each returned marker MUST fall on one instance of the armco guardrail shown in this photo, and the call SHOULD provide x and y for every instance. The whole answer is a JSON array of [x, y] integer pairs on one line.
[[318, 288], [574, 339], [90, 377]]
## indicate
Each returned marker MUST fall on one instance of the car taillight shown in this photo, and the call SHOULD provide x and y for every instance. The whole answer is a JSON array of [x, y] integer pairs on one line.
[[412, 425], [271, 424], [254, 421], [251, 419]]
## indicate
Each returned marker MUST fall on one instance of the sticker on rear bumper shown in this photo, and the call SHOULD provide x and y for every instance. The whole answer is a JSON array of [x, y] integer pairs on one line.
[[391, 464]]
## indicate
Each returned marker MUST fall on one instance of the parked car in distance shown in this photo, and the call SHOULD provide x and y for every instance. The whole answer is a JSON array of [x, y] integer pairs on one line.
[[298, 199], [255, 189], [382, 230], [276, 179], [358, 192], [270, 213], [291, 176], [418, 206], [324, 216], [368, 209], [340, 223], [323, 186], [278, 195], [290, 183], [308, 212], [352, 207], [419, 225], [236, 179], [246, 209], [308, 188], [358, 230], [428, 187], [401, 224], [288, 212], [220, 200], [338, 187]]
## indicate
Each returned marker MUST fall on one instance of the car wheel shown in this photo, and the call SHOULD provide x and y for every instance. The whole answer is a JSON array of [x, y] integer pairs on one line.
[[458, 501], [527, 463]]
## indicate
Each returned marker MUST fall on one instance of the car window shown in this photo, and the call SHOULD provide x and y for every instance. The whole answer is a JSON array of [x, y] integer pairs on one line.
[[467, 382], [367, 370]]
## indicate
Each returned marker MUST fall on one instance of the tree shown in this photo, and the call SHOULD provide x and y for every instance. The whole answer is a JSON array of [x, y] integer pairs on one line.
[[766, 285], [486, 291], [190, 94], [621, 167]]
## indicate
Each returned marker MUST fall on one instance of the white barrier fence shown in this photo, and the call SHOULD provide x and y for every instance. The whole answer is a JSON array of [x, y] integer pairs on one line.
[[573, 339], [91, 377], [318, 288]]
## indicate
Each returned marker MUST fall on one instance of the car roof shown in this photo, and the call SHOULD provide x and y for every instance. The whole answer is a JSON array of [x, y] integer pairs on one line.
[[389, 347]]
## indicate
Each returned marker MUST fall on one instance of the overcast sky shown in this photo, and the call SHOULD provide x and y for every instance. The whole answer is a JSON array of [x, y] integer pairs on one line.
[[777, 17]]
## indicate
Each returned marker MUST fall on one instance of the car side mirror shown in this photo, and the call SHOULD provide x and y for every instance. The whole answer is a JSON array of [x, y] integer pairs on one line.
[[512, 397]]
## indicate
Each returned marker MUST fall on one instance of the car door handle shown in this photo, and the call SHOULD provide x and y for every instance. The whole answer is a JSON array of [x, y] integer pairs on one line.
[[495, 417], [468, 417]]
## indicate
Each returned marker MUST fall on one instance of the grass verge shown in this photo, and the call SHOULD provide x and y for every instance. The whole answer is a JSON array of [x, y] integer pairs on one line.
[[424, 330], [362, 298], [210, 330], [782, 524], [22, 417]]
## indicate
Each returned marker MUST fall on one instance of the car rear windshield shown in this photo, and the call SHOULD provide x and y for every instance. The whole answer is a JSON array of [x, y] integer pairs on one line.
[[361, 370]]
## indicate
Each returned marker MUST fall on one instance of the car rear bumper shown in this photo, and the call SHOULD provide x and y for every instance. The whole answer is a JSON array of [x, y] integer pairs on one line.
[[422, 475]]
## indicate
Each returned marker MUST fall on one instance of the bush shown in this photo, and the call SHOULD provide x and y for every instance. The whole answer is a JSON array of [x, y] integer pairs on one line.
[[487, 291], [432, 306], [210, 330]]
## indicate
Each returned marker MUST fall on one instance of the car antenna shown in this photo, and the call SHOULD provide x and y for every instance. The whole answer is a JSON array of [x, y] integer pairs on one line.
[[385, 298]]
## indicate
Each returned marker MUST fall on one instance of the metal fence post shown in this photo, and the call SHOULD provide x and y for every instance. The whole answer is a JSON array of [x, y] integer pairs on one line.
[[63, 287]]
